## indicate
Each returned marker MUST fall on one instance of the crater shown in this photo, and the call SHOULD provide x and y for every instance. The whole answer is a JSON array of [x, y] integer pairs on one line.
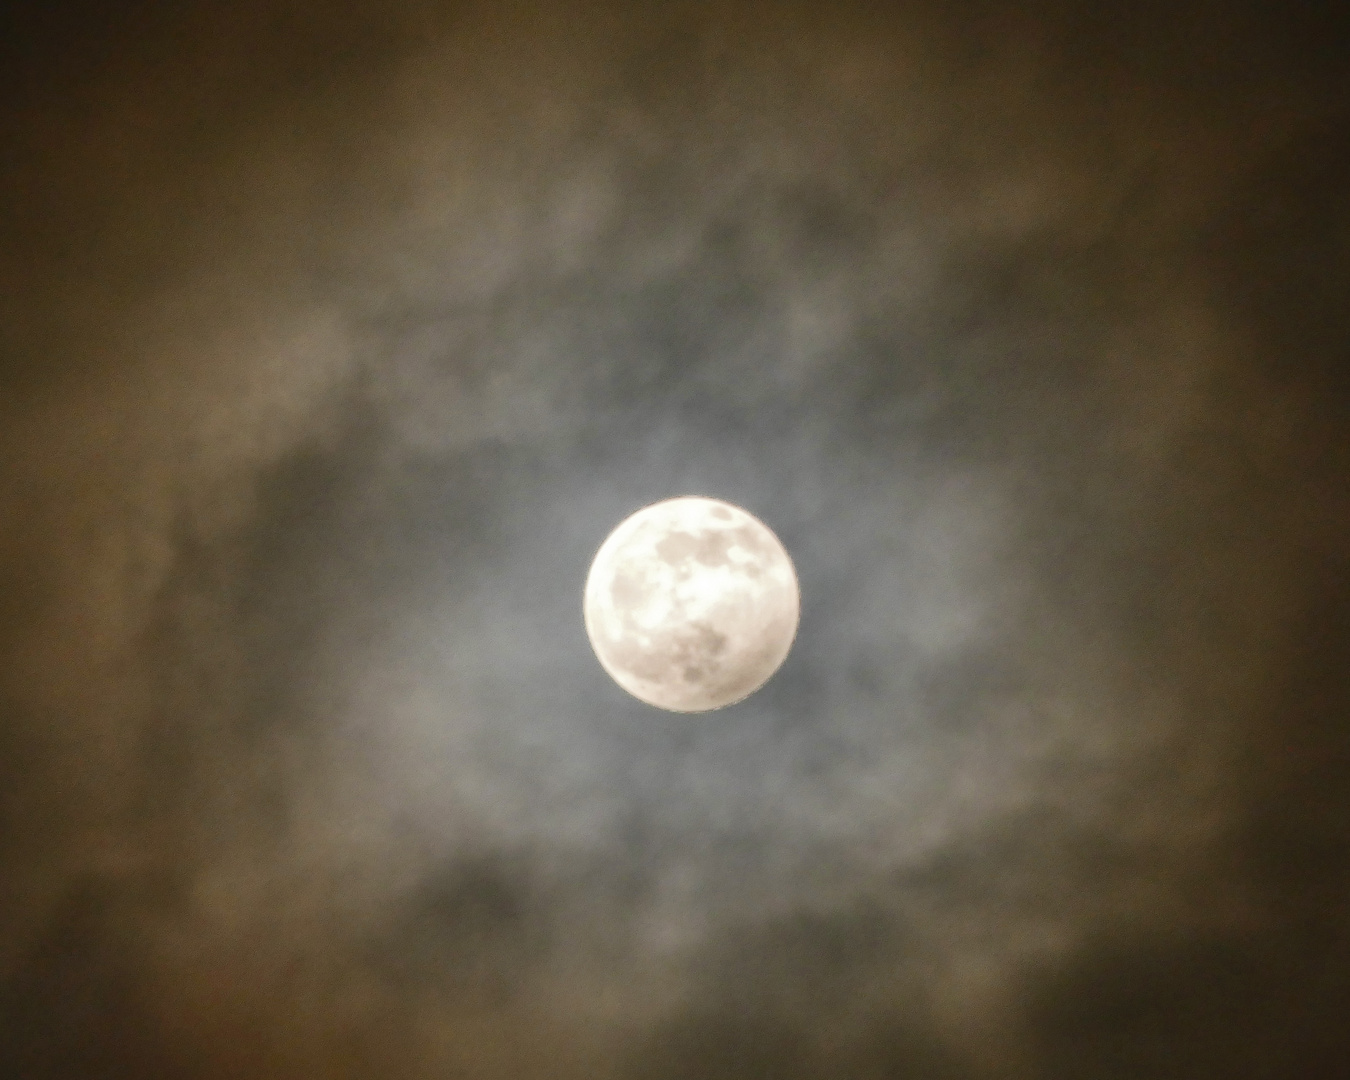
[[714, 549], [629, 591], [677, 546]]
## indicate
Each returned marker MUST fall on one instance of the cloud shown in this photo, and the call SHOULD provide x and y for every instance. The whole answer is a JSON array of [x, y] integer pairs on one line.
[[336, 345]]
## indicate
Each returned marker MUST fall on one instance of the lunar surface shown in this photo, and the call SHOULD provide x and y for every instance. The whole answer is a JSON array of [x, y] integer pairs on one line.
[[691, 604]]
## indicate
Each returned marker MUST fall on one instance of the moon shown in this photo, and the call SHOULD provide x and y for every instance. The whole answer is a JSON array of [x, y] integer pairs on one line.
[[691, 604]]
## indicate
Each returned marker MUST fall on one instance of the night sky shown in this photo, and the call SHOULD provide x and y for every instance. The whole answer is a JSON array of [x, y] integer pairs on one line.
[[335, 338]]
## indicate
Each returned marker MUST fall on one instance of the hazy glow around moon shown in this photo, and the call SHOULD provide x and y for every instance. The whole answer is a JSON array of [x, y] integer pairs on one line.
[[691, 604]]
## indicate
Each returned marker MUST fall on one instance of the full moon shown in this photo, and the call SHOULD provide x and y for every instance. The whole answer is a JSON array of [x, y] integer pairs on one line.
[[691, 604]]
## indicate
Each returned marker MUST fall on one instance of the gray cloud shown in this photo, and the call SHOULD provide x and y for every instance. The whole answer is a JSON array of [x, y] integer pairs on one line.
[[336, 343]]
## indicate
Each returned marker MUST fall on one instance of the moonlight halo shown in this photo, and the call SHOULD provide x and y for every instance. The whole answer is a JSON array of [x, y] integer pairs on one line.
[[691, 604]]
